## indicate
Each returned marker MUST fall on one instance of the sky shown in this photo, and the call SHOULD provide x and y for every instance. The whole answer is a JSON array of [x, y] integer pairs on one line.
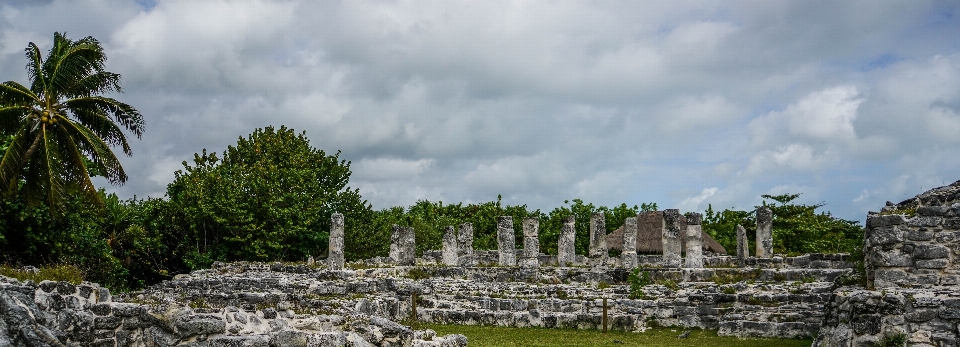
[[682, 103]]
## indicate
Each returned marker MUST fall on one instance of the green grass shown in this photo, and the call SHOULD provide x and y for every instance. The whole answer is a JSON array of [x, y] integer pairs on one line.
[[68, 273], [480, 336]]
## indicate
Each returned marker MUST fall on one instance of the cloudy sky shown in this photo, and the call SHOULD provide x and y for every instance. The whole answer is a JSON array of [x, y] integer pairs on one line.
[[851, 103]]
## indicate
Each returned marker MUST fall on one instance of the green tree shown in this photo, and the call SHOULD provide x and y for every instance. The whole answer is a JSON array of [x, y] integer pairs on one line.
[[797, 228], [63, 126], [270, 197]]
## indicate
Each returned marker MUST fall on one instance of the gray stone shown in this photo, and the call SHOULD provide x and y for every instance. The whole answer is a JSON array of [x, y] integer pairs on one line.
[[566, 251], [694, 244], [598, 239], [890, 258], [874, 221], [506, 240], [930, 252], [335, 250], [932, 263], [885, 236], [450, 248], [199, 325], [531, 243], [764, 240], [670, 238], [465, 242], [742, 251], [403, 246], [628, 259]]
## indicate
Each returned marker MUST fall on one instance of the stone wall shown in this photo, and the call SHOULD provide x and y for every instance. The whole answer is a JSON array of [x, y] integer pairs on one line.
[[63, 314], [912, 254], [916, 243]]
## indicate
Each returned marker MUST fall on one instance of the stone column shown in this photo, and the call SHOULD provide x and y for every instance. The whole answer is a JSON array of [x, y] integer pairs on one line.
[[694, 246], [764, 232], [670, 238], [628, 258], [742, 251], [395, 232], [403, 246], [465, 243], [598, 239], [450, 249], [335, 248], [531, 243], [566, 250], [506, 242]]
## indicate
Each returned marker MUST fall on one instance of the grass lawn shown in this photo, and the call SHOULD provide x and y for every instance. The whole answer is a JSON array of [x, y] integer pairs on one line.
[[480, 336]]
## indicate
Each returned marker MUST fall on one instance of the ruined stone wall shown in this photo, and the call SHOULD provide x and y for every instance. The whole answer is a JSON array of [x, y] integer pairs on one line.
[[916, 244], [912, 252], [63, 314]]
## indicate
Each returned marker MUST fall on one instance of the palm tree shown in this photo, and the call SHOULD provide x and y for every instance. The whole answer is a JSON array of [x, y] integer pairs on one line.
[[62, 127]]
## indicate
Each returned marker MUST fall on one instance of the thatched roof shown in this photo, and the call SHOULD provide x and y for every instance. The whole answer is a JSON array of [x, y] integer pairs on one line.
[[649, 229]]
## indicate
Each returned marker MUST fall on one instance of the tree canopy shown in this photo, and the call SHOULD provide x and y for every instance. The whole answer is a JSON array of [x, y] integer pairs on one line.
[[63, 126], [269, 197]]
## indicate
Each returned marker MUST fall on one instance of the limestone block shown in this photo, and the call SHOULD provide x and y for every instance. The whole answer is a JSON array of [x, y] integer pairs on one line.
[[507, 255], [629, 255], [451, 250], [465, 255], [531, 243], [885, 236], [742, 251], [694, 244], [566, 253], [874, 221], [335, 250], [891, 258], [598, 239], [670, 238], [764, 240], [403, 245], [930, 252]]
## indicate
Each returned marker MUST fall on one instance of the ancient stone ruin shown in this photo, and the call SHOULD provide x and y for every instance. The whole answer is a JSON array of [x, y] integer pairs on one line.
[[912, 256], [910, 250]]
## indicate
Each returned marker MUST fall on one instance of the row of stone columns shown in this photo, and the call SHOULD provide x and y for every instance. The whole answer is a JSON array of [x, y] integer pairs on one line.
[[458, 244]]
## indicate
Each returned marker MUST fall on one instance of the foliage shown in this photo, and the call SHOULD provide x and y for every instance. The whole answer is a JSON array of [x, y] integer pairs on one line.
[[722, 226], [797, 228], [62, 126], [269, 198], [56, 272], [638, 280]]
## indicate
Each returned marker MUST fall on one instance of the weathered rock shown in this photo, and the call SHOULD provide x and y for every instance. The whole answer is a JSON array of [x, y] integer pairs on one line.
[[506, 241], [742, 250], [694, 245], [764, 240], [629, 255], [598, 239], [531, 243], [335, 250], [450, 248], [465, 244], [566, 255], [671, 238]]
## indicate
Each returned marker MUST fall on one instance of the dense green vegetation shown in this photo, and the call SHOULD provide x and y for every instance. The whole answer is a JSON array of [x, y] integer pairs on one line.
[[503, 336], [797, 228], [269, 197]]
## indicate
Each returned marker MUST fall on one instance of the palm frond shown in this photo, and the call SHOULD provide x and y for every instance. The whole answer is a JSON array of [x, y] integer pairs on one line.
[[15, 156], [97, 151], [76, 170], [96, 83], [73, 62], [98, 122], [38, 82], [125, 114]]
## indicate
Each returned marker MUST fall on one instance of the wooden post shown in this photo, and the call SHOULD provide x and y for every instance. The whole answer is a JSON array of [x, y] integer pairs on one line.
[[604, 315], [413, 311]]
